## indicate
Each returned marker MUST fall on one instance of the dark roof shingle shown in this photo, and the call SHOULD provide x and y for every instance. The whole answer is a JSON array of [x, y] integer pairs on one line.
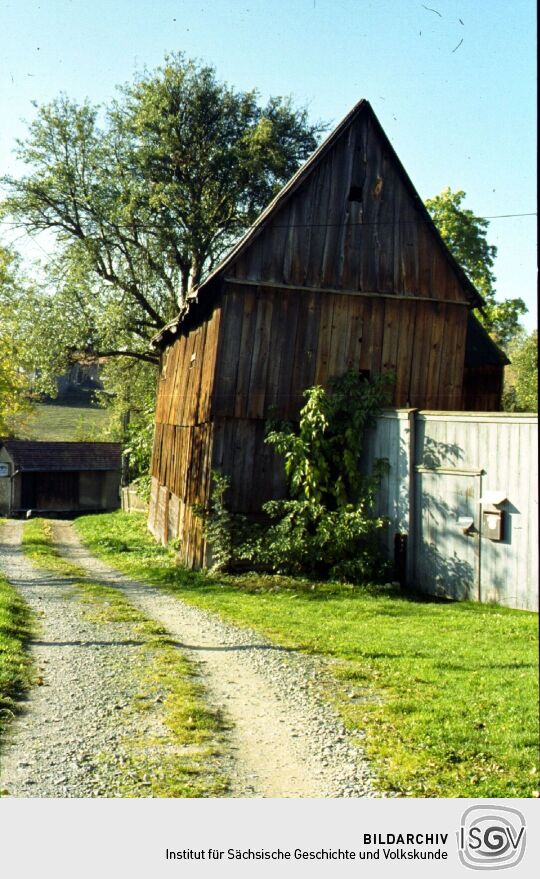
[[30, 455]]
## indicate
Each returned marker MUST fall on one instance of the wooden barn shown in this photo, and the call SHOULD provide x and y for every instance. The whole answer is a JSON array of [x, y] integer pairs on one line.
[[344, 270]]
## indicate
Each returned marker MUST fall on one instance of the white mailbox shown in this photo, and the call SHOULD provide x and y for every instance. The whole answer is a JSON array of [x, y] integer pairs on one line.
[[492, 516]]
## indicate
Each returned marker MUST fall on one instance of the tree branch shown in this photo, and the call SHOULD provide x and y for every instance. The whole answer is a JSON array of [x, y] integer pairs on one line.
[[136, 355]]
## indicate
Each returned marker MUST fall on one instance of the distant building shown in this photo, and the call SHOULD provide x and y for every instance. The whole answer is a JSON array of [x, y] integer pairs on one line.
[[58, 477], [82, 379]]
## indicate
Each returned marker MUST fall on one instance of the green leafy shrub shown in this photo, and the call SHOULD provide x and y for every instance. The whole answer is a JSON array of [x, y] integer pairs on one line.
[[327, 526], [218, 523], [228, 534], [323, 454], [306, 537]]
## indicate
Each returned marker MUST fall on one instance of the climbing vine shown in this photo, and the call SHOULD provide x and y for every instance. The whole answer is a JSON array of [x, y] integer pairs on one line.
[[327, 525]]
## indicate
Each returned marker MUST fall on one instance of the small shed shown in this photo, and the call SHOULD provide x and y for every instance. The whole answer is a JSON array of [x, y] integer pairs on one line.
[[344, 270], [58, 477]]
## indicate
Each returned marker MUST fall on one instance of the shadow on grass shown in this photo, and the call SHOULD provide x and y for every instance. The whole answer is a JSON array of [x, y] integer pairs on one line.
[[311, 590], [181, 645], [501, 666], [128, 642], [154, 564]]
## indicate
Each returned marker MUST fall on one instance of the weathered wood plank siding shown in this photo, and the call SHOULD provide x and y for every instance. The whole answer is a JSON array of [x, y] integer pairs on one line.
[[183, 439], [482, 388], [275, 343], [187, 375], [344, 270], [353, 225]]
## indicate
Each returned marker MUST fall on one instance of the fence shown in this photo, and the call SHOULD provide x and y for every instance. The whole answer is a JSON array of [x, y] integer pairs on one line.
[[461, 495], [131, 502]]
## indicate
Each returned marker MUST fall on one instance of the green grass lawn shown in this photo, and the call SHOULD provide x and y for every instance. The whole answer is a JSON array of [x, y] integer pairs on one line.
[[51, 422], [15, 663], [446, 692]]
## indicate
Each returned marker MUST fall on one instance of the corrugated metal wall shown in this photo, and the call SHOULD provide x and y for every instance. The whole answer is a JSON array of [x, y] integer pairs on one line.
[[441, 465]]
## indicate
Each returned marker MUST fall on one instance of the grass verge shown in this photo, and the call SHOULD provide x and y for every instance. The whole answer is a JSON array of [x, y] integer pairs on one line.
[[16, 628], [184, 762], [446, 692]]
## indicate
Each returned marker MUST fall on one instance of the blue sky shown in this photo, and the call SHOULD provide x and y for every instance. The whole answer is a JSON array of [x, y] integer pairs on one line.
[[453, 82]]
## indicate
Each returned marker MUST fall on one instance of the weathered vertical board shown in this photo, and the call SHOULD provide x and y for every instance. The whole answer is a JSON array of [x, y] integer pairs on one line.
[[277, 342], [273, 343], [183, 438], [187, 375], [354, 223]]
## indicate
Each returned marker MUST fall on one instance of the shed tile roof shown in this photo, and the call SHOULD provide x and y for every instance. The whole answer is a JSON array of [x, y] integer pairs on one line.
[[30, 455]]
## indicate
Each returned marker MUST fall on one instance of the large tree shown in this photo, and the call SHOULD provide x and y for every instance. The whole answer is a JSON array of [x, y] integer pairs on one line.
[[143, 198], [521, 377], [466, 236], [13, 379]]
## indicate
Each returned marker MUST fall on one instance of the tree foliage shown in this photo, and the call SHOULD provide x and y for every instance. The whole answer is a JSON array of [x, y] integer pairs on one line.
[[466, 237], [144, 196], [521, 377], [13, 379], [131, 388]]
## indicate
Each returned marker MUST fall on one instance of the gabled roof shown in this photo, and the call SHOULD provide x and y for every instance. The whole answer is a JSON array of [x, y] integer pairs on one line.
[[362, 107], [28, 455]]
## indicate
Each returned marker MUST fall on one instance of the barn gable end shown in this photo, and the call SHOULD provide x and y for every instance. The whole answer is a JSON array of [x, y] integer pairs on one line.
[[353, 222]]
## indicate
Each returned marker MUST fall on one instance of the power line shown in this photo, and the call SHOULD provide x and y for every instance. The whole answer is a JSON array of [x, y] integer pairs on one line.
[[503, 216], [335, 225], [412, 222]]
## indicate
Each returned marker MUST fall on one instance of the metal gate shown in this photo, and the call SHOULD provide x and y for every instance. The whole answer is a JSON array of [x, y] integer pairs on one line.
[[447, 545]]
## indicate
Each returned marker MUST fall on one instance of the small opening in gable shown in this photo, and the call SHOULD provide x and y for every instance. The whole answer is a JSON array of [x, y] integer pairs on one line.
[[355, 193]]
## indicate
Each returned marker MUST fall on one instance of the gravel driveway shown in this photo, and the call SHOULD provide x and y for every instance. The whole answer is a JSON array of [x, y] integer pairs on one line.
[[285, 741], [68, 742]]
